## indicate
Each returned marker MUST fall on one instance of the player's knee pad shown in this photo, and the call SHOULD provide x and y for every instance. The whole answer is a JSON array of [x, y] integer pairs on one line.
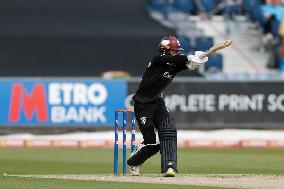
[[143, 154], [168, 142]]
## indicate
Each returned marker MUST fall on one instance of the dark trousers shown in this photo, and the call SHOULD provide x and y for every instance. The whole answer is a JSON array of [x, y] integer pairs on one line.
[[149, 116]]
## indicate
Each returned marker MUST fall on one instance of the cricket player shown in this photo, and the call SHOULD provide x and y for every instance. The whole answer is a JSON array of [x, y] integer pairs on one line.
[[150, 109]]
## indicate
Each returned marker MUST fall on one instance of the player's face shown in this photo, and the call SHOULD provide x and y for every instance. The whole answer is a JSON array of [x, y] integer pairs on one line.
[[174, 53]]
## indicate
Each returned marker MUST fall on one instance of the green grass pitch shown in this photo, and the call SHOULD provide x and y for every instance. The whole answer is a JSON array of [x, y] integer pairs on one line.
[[100, 161]]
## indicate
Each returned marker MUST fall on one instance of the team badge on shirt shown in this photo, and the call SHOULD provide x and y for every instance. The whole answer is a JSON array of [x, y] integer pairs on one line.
[[168, 75]]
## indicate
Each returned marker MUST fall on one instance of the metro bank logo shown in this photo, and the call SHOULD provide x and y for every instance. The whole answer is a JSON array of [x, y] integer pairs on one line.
[[83, 103]]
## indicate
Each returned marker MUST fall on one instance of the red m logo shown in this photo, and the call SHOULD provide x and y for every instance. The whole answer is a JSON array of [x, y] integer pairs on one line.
[[31, 103]]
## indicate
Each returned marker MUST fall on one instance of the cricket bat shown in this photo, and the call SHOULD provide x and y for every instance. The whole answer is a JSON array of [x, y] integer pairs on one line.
[[216, 48]]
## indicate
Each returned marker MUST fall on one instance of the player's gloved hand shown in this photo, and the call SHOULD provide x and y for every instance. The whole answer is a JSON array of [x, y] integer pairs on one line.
[[194, 61]]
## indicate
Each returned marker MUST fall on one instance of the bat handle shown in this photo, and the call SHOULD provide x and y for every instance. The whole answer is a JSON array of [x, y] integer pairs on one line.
[[203, 55]]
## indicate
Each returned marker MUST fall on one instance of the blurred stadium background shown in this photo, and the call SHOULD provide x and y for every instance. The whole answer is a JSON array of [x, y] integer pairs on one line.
[[67, 65]]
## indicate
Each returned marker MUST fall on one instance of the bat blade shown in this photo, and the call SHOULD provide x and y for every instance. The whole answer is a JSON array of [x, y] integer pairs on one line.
[[216, 48]]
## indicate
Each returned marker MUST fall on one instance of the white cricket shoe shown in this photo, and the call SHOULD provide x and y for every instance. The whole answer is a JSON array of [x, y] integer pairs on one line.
[[134, 170]]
